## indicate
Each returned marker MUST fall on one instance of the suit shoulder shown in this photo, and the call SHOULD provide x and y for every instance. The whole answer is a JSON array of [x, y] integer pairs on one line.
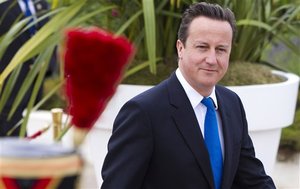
[[227, 94], [156, 94], [225, 91]]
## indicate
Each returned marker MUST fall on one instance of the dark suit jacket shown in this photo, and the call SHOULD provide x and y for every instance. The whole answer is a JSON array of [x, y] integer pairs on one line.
[[157, 144], [10, 12]]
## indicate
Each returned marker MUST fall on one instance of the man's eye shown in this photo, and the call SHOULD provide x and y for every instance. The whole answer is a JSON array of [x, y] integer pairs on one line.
[[221, 50], [201, 47]]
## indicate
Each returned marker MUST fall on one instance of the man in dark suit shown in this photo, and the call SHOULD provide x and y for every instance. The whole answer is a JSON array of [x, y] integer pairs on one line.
[[159, 138], [10, 12]]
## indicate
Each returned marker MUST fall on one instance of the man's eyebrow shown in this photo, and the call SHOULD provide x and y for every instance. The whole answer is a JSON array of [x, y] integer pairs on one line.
[[224, 46], [200, 43]]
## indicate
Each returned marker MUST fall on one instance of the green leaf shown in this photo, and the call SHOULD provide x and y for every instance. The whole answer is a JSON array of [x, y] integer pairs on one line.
[[256, 23], [94, 13], [136, 69], [128, 22], [36, 89], [11, 35], [31, 47], [28, 80], [9, 87], [150, 29]]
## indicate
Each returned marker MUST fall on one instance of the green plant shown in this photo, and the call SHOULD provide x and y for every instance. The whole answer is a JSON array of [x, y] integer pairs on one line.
[[151, 25], [290, 136], [42, 45], [259, 22], [242, 73], [279, 55]]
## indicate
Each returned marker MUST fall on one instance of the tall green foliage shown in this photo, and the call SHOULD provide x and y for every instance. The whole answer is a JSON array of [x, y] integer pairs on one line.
[[152, 26], [259, 22], [42, 45]]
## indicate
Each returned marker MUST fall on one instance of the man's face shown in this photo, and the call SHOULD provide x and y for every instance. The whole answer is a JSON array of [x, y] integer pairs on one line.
[[204, 59]]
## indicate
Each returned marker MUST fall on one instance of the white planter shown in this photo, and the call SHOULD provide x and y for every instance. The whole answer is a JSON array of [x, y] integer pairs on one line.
[[269, 108], [98, 138]]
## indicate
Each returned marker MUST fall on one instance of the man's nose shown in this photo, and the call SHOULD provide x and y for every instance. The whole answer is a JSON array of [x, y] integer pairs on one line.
[[211, 57]]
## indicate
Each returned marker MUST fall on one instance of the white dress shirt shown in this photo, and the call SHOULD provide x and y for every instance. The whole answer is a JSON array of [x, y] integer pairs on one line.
[[199, 108]]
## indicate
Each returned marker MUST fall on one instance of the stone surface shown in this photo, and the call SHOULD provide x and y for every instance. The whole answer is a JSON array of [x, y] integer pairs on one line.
[[286, 173]]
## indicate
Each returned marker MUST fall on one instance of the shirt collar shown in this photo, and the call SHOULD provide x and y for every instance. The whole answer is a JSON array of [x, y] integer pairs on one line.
[[192, 94]]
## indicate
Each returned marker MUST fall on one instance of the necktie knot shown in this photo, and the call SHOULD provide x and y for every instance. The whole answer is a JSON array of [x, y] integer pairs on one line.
[[208, 103]]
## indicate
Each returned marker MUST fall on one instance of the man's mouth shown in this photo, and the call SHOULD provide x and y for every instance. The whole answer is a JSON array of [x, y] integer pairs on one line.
[[208, 70]]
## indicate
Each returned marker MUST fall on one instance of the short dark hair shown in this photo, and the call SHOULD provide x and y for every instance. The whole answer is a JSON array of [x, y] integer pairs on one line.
[[213, 11]]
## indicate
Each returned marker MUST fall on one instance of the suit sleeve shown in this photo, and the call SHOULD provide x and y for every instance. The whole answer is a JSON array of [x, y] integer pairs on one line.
[[250, 173], [129, 149]]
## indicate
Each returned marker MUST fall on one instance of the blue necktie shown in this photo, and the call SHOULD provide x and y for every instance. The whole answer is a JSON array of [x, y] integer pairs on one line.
[[29, 14], [212, 141]]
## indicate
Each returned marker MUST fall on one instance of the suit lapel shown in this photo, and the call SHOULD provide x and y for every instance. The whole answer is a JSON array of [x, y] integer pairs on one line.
[[230, 139], [189, 128], [187, 124]]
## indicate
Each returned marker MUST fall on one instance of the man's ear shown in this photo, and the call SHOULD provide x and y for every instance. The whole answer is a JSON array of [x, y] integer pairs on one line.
[[180, 47]]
